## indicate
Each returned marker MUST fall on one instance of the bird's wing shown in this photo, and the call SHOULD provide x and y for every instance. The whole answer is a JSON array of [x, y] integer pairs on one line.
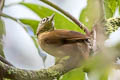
[[69, 35]]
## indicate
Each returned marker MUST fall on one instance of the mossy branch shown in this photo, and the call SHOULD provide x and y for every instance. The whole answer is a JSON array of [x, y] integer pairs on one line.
[[44, 74]]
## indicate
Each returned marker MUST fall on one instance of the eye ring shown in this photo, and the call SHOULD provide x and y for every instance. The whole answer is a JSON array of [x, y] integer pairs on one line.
[[44, 20]]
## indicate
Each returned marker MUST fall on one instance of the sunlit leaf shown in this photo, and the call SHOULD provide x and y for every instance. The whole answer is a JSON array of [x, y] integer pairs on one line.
[[2, 32], [61, 22], [119, 5], [110, 7], [76, 74], [32, 23], [91, 14], [104, 75], [98, 67]]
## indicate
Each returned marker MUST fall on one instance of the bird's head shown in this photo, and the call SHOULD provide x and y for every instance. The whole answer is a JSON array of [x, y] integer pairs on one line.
[[46, 24]]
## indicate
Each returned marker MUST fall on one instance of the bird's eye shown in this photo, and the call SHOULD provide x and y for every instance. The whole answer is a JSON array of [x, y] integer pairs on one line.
[[44, 20]]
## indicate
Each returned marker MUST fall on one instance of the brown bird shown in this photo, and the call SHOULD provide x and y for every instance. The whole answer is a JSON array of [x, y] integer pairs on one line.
[[60, 43]]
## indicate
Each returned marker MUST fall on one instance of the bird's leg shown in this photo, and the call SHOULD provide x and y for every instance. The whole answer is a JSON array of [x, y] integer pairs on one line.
[[58, 59]]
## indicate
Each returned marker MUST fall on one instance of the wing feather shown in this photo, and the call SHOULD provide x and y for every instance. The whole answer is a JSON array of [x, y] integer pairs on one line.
[[69, 35]]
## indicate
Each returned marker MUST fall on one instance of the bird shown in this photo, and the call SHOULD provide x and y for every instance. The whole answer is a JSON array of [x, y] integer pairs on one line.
[[61, 43]]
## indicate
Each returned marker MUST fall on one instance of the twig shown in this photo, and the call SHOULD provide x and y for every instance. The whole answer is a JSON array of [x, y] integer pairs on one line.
[[1, 4], [68, 15], [7, 16], [11, 4], [5, 61]]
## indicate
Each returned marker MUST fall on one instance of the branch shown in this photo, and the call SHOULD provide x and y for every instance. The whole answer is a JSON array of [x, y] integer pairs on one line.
[[1, 4], [7, 16], [85, 29], [45, 74], [14, 19], [5, 61]]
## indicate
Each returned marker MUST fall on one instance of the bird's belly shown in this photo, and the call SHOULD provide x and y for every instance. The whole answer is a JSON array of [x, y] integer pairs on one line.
[[53, 50], [61, 50]]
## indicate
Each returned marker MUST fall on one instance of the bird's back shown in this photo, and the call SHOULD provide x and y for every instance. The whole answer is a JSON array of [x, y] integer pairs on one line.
[[62, 42]]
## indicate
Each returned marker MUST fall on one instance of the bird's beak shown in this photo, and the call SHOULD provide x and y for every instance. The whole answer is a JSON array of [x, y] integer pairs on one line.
[[51, 17]]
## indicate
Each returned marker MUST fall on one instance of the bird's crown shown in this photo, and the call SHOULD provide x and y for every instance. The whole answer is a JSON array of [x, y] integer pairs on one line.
[[46, 24]]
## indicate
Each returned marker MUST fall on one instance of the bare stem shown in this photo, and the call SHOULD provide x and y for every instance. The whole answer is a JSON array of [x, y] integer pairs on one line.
[[68, 15], [7, 16], [11, 4], [5, 61], [1, 4]]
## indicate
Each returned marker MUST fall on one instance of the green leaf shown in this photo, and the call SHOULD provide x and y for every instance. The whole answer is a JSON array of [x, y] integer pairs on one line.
[[91, 14], [76, 74], [61, 22], [119, 5], [2, 32], [108, 11], [105, 75], [32, 23], [2, 28], [98, 66], [110, 7]]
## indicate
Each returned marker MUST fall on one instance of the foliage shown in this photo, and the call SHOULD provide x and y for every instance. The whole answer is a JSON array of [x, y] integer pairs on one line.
[[61, 22], [2, 33], [76, 74], [89, 16], [112, 25], [32, 23], [91, 13], [110, 7]]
